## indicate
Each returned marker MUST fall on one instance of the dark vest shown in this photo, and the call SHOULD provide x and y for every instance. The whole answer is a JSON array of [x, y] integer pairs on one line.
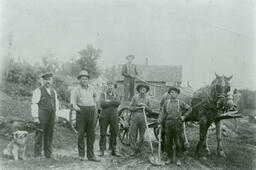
[[47, 102], [131, 70]]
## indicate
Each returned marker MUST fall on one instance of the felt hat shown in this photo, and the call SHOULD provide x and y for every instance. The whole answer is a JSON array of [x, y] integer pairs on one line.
[[141, 86], [173, 88], [83, 73], [130, 56]]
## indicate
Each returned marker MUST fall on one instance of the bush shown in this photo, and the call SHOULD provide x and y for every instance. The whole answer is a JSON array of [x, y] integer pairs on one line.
[[23, 74], [61, 87], [248, 99]]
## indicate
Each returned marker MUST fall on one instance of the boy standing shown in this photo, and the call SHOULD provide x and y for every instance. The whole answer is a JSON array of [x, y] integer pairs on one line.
[[172, 115]]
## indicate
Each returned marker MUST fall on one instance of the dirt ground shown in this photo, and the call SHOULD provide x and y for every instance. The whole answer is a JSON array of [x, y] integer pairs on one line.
[[240, 149]]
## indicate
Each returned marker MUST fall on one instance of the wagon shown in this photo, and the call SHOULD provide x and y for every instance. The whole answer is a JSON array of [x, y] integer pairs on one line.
[[125, 115]]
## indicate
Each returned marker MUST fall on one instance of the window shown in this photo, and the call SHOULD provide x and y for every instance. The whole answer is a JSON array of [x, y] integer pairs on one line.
[[152, 91]]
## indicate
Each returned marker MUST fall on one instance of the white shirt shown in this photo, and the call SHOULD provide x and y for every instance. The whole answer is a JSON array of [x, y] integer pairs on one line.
[[36, 98], [83, 96]]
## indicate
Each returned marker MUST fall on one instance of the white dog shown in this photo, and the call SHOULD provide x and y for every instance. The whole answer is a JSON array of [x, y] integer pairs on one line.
[[17, 147]]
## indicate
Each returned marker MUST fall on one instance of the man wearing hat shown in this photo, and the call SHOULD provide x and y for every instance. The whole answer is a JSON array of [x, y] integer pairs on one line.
[[83, 102], [184, 143], [171, 114], [44, 107], [109, 102], [138, 123], [129, 72]]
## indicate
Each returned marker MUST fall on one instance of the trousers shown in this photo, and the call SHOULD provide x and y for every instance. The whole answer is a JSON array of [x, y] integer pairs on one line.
[[173, 130], [108, 117], [138, 126], [45, 137], [86, 122], [128, 88]]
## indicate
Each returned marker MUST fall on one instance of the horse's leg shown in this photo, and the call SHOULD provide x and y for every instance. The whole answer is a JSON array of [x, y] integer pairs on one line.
[[202, 135], [220, 151], [205, 144], [185, 135]]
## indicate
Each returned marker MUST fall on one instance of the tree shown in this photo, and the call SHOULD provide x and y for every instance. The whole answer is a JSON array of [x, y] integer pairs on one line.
[[50, 63], [88, 60], [110, 73]]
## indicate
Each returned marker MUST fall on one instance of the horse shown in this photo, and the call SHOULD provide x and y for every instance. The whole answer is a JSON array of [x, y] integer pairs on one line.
[[209, 103]]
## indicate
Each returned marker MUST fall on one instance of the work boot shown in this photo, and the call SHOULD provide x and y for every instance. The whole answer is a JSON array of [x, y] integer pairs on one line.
[[101, 153], [94, 159], [114, 153], [178, 163], [81, 158], [169, 161]]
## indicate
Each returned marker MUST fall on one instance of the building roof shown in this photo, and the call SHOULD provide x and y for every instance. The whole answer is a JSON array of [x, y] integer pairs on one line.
[[154, 73]]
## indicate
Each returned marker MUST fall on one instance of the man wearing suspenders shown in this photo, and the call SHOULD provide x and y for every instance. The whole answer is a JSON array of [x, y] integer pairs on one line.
[[83, 102], [172, 114], [129, 72], [109, 102]]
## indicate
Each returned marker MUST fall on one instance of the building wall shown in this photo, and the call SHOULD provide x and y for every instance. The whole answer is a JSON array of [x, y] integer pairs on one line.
[[155, 91]]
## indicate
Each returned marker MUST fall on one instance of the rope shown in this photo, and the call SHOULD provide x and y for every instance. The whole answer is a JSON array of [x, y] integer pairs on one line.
[[144, 81]]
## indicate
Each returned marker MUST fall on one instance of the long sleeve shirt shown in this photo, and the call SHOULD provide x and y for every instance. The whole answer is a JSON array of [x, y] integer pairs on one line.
[[139, 99], [173, 109], [83, 96], [36, 96]]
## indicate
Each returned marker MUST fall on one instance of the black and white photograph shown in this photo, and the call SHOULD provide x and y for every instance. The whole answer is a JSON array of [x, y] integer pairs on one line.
[[127, 84]]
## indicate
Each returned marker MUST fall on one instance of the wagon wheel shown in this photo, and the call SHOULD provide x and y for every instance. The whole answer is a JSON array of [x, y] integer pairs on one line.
[[124, 124], [72, 121]]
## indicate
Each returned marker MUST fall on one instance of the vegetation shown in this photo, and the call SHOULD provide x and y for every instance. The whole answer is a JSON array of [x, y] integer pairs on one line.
[[248, 99], [23, 78]]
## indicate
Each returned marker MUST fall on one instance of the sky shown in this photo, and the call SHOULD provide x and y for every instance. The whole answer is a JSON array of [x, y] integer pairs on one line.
[[204, 36]]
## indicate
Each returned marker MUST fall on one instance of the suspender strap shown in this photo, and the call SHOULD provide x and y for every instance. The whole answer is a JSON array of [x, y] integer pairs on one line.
[[178, 106]]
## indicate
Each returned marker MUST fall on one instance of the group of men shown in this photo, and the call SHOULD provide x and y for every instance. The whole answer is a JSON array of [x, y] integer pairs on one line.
[[83, 104]]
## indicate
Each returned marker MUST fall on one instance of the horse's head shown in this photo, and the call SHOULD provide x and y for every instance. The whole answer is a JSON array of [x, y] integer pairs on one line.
[[219, 90]]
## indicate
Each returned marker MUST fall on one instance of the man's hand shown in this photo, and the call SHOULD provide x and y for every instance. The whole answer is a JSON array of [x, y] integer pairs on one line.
[[36, 119], [159, 125], [141, 104], [73, 112], [76, 108], [182, 118]]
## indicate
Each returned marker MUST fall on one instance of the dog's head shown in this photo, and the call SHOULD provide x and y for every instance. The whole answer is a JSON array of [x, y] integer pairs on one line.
[[20, 137]]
